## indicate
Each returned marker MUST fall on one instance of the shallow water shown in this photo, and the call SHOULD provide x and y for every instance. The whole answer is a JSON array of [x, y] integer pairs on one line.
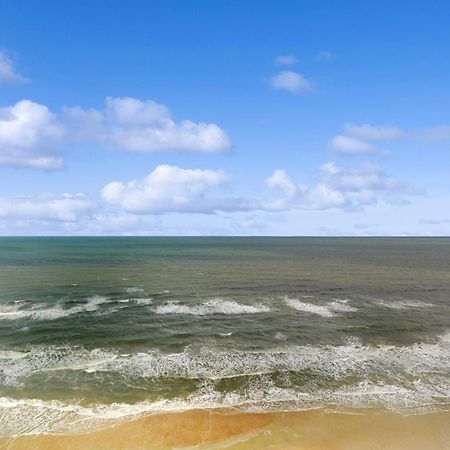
[[97, 330]]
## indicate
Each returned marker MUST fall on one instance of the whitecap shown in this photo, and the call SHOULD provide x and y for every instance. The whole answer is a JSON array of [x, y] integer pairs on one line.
[[403, 304], [210, 307], [311, 308], [141, 301], [133, 290], [14, 312], [341, 305]]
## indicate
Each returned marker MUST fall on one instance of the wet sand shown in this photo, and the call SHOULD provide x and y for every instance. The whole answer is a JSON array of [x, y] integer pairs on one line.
[[306, 430]]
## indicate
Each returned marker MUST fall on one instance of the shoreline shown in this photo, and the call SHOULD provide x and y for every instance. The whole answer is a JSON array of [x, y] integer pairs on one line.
[[317, 429]]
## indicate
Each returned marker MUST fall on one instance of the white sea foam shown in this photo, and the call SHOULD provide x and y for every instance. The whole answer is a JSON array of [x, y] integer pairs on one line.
[[133, 290], [423, 361], [212, 306], [311, 308], [57, 311], [33, 416], [12, 355], [402, 304], [280, 336], [403, 379], [341, 305], [141, 301], [337, 305], [14, 312]]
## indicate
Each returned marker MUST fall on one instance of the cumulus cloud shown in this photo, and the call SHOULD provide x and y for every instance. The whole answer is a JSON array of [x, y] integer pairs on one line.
[[8, 71], [45, 207], [29, 135], [339, 187], [351, 145], [293, 82], [286, 60], [144, 126], [173, 189], [280, 179]]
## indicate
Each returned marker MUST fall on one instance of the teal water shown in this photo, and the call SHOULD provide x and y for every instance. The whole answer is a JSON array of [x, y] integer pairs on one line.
[[93, 330]]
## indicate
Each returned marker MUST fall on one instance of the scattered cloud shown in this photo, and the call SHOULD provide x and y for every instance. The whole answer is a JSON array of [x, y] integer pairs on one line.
[[286, 60], [45, 207], [339, 187], [173, 189], [351, 145], [357, 139], [293, 82], [280, 179], [8, 71], [29, 136], [325, 56], [144, 126]]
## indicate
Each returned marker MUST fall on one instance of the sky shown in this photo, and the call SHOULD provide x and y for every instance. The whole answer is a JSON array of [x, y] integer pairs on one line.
[[176, 117]]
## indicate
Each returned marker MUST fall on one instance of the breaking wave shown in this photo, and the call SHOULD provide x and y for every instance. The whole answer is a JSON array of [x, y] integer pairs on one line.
[[329, 309], [25, 310], [212, 306], [405, 379]]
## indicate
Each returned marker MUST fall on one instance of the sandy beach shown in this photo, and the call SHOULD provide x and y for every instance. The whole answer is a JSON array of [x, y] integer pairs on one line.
[[307, 430]]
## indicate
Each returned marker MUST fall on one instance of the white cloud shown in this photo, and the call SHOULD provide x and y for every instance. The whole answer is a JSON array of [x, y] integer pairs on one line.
[[29, 134], [286, 60], [291, 81], [144, 126], [8, 72], [373, 133], [325, 56], [173, 189], [280, 179], [351, 145], [356, 139], [339, 187], [46, 207]]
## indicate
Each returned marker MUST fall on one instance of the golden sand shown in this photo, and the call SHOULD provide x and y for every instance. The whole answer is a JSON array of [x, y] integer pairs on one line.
[[307, 430]]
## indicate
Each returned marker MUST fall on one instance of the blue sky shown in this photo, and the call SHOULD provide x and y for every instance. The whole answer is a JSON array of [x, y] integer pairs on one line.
[[207, 117]]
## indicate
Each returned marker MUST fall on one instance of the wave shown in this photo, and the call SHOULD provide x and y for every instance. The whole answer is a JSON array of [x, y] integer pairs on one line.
[[406, 379], [333, 361], [403, 366], [299, 305], [133, 290], [14, 312], [22, 310], [210, 307], [34, 416], [341, 305], [329, 309], [403, 304]]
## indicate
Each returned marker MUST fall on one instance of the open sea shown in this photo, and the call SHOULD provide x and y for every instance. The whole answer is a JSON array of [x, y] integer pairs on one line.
[[98, 331]]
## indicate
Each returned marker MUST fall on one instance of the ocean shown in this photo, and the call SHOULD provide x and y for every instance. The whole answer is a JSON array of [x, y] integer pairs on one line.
[[96, 332]]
